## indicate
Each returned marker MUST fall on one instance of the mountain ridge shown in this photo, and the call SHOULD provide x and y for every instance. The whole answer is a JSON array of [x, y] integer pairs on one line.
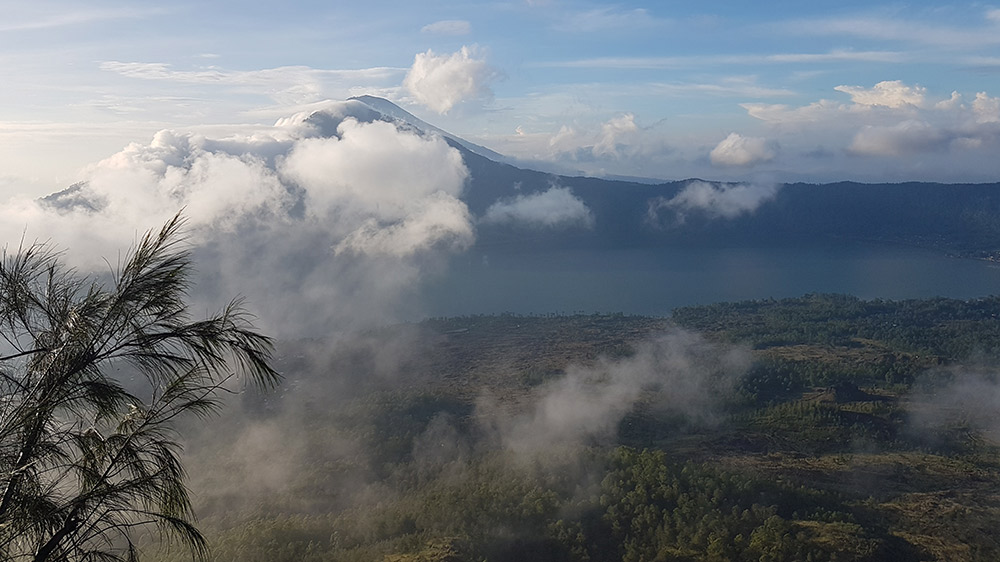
[[390, 109], [958, 218], [523, 209]]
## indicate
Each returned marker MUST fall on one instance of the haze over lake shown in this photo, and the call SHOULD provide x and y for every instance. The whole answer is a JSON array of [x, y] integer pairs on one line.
[[653, 281]]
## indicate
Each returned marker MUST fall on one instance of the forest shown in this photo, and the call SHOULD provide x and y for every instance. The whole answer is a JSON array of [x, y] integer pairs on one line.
[[822, 427]]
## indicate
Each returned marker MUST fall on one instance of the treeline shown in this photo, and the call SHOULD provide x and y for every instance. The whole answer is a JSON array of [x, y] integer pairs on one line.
[[948, 328], [644, 507]]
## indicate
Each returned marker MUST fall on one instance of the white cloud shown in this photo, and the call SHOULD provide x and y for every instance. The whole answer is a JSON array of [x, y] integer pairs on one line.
[[907, 137], [400, 190], [146, 184], [448, 27], [442, 81], [556, 207], [952, 103], [986, 108], [888, 101], [614, 131], [288, 85], [737, 150], [679, 372], [894, 120], [316, 231], [566, 138], [889, 93], [373, 169], [716, 200], [437, 220]]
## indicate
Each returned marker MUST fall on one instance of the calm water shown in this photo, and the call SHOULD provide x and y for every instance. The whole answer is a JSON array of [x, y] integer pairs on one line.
[[654, 281]]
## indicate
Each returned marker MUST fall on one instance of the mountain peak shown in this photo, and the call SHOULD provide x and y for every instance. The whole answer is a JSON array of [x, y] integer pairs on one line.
[[389, 109]]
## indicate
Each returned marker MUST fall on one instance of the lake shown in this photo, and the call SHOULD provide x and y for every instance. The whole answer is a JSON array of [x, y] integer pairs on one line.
[[653, 281]]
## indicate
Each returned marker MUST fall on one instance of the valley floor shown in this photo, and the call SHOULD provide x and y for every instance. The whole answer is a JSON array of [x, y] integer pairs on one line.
[[817, 428]]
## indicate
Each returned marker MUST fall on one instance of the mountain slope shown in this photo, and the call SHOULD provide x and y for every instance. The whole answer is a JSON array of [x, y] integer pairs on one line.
[[517, 209], [389, 109]]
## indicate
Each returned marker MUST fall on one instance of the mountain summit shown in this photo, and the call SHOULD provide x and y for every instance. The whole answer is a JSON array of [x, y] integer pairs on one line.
[[389, 109]]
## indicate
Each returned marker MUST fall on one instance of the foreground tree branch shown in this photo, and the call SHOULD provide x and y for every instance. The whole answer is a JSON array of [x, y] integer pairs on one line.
[[86, 463]]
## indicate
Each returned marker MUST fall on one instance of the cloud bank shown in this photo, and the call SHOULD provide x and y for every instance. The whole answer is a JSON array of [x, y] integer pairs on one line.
[[908, 137], [893, 119], [305, 219], [891, 131]]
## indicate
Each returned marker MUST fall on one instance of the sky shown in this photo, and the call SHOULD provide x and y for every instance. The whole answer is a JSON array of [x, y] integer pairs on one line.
[[671, 90]]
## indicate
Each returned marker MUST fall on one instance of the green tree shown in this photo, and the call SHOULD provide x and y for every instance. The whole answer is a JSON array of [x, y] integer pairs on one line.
[[92, 378]]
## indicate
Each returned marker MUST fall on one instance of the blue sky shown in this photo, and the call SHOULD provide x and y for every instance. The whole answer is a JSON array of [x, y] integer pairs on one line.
[[716, 90]]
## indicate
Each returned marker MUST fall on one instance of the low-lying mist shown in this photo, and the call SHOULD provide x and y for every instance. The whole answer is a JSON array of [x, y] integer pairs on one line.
[[357, 404]]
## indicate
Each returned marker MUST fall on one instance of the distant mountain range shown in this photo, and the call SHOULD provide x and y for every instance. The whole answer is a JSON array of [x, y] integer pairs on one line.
[[521, 209], [961, 219]]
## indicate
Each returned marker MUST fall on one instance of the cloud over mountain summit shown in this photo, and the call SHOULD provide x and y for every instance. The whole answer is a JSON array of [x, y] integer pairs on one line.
[[311, 206]]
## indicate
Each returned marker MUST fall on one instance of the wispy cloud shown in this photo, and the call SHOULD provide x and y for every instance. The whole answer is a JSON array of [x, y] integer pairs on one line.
[[655, 63], [679, 372], [287, 85], [127, 105], [609, 18], [898, 29], [739, 87], [448, 27], [75, 17], [215, 75]]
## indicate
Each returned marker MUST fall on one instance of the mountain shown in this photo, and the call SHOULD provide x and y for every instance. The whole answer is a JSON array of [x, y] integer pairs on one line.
[[389, 109], [961, 219], [520, 210]]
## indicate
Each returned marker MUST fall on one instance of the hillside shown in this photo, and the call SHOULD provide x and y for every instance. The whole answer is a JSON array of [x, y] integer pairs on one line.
[[816, 428]]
